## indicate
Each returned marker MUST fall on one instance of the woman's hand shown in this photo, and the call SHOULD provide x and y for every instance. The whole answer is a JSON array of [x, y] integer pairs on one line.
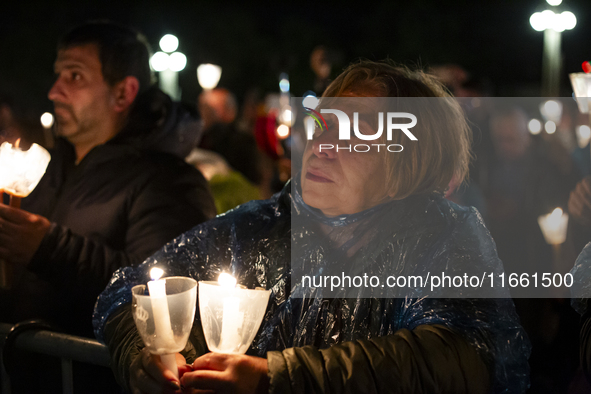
[[148, 375], [228, 373]]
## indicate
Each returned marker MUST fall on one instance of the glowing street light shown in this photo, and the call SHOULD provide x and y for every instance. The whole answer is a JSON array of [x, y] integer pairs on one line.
[[159, 61], [310, 100], [284, 85], [551, 110], [177, 61], [534, 126], [552, 24], [168, 64], [169, 43], [47, 120], [283, 131], [550, 127], [541, 21]]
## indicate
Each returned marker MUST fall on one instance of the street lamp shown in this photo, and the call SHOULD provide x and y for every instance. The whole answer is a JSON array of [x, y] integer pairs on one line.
[[168, 63], [552, 24], [47, 122]]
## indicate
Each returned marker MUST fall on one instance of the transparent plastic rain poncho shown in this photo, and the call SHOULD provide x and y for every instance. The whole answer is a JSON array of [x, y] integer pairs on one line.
[[581, 286], [253, 243]]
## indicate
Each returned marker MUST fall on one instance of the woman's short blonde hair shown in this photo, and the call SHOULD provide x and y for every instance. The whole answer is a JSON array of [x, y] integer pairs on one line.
[[442, 151]]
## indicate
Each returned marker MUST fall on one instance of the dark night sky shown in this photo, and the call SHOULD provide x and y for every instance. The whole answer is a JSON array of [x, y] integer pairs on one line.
[[255, 41]]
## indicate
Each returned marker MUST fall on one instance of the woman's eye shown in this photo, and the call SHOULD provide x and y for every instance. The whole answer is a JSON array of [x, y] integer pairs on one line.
[[76, 76]]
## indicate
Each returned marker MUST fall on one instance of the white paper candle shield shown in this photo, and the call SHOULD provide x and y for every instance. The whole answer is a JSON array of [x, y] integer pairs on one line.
[[21, 171]]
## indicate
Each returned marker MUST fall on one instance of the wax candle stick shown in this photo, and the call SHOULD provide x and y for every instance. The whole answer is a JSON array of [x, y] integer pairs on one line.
[[15, 201], [163, 329], [232, 319]]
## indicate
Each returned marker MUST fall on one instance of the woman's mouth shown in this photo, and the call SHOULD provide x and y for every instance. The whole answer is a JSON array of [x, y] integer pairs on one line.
[[317, 177]]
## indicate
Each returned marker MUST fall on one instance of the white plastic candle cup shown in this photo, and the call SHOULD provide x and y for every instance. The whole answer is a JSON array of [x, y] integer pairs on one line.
[[181, 298], [581, 83], [554, 226], [20, 171], [230, 317]]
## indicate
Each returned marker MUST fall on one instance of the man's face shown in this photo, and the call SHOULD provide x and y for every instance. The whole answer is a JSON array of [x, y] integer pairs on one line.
[[81, 97]]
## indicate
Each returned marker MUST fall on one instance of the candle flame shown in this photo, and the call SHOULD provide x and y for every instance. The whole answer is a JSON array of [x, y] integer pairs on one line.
[[227, 280], [17, 143], [156, 273]]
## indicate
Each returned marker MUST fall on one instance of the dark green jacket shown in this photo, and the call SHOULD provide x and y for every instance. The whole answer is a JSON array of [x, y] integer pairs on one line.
[[428, 359]]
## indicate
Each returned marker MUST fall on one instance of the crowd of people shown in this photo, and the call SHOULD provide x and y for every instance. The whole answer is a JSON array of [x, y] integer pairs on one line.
[[136, 181]]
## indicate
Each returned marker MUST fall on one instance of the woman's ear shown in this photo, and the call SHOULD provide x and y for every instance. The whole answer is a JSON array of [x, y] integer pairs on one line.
[[392, 192], [125, 93]]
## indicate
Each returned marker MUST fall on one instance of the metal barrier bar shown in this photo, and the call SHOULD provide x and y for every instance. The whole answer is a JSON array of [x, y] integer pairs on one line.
[[5, 388], [60, 345], [67, 347]]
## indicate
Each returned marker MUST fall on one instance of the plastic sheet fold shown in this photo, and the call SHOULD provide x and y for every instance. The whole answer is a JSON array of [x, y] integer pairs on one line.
[[581, 286]]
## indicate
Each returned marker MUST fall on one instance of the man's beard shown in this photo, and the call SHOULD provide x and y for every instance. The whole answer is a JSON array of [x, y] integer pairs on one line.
[[64, 125]]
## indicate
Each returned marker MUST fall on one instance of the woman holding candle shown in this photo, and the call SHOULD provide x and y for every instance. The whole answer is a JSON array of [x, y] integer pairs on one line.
[[381, 211]]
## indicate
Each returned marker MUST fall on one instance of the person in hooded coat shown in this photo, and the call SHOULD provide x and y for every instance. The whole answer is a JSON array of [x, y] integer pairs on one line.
[[379, 212]]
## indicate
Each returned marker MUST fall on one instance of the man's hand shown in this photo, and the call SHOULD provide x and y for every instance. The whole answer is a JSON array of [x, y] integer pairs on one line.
[[228, 373], [149, 376], [21, 234], [579, 203]]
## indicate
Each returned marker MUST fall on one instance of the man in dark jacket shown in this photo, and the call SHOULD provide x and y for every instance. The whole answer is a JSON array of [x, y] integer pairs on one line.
[[110, 196]]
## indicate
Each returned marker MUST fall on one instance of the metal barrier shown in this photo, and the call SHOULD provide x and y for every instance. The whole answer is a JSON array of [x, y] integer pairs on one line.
[[66, 347]]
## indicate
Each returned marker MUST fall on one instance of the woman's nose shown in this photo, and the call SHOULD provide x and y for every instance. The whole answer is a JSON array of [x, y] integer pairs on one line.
[[325, 145]]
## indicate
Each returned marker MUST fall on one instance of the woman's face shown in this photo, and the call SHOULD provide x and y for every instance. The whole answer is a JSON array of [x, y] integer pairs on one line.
[[343, 182]]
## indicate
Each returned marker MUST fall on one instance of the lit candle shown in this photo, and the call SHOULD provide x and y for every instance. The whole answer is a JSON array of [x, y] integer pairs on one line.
[[554, 226], [163, 329], [21, 171], [232, 319]]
